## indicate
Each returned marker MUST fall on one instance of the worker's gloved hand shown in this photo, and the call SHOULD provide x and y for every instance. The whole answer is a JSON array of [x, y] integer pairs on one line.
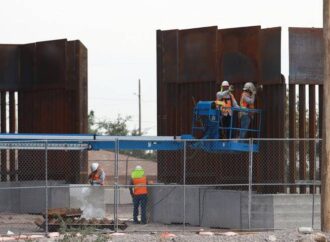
[[231, 88]]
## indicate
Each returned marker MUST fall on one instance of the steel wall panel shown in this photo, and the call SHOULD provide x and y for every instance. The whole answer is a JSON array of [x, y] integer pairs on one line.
[[239, 54], [51, 64], [270, 56], [9, 67], [161, 115], [306, 53], [237, 58], [28, 66], [81, 66], [170, 56], [271, 100], [197, 55], [52, 98]]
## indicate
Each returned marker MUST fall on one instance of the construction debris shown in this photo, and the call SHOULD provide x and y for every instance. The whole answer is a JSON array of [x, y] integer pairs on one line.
[[64, 212], [229, 233], [167, 235], [305, 230], [206, 233], [53, 235], [271, 238], [118, 234], [61, 218]]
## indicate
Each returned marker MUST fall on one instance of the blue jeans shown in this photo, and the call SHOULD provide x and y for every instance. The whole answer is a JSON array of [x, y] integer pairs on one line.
[[137, 201], [245, 124]]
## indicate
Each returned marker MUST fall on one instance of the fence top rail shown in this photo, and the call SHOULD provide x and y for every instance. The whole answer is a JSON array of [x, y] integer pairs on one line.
[[287, 139], [82, 137], [92, 137]]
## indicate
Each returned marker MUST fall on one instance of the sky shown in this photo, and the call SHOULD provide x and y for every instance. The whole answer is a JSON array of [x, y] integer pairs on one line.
[[121, 39]]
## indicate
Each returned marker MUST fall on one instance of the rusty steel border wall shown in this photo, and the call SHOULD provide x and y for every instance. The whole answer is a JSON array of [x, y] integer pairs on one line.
[[45, 84], [192, 62]]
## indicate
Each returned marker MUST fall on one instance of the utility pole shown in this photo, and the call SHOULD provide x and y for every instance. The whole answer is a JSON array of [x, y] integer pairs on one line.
[[139, 95], [325, 169]]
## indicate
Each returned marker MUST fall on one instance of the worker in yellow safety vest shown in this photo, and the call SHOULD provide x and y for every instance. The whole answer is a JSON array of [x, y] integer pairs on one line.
[[225, 100], [246, 102], [139, 192]]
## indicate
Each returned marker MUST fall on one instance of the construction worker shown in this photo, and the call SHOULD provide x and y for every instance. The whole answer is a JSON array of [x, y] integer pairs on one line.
[[246, 102], [225, 101], [97, 175], [138, 190]]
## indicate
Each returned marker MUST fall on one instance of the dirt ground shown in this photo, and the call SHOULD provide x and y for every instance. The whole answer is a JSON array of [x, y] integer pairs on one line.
[[106, 159], [21, 224], [18, 223]]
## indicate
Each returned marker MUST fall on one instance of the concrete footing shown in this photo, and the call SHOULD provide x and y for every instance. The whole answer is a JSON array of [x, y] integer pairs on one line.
[[211, 207], [201, 206]]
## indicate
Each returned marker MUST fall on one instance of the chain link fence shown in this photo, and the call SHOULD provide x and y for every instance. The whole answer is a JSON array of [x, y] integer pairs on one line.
[[200, 184]]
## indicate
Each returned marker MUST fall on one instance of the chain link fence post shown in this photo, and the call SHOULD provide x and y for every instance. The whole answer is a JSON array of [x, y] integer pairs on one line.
[[250, 181], [46, 187], [314, 187], [116, 185], [184, 183]]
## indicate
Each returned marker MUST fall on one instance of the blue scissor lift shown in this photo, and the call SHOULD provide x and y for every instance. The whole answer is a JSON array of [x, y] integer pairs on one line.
[[206, 120], [207, 125]]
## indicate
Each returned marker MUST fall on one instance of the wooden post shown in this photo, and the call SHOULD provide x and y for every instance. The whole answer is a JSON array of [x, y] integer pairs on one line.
[[325, 187]]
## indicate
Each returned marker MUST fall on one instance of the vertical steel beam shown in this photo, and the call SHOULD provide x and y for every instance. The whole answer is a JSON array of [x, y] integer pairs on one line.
[[12, 112], [302, 134], [12, 129], [312, 133], [292, 134], [3, 130]]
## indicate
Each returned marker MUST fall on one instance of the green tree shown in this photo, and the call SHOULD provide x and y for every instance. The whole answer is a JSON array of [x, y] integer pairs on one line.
[[117, 127], [92, 129]]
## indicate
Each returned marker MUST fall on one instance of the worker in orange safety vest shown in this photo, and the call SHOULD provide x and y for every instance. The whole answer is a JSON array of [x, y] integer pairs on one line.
[[247, 102], [139, 193], [97, 175], [225, 100]]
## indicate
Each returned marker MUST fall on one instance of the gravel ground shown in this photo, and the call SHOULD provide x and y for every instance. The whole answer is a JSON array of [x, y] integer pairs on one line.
[[283, 235], [20, 224]]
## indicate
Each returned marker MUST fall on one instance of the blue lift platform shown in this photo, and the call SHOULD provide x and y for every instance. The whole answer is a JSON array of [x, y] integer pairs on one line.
[[206, 120]]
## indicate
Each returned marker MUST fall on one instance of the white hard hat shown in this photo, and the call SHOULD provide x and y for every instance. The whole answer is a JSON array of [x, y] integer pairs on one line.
[[249, 86], [225, 84], [138, 168], [94, 166]]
